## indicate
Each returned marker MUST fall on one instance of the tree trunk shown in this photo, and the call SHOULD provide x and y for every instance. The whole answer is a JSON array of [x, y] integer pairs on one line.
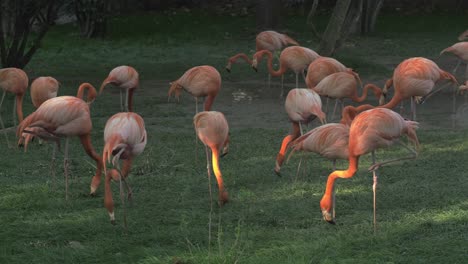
[[371, 9], [92, 17], [334, 28], [268, 14]]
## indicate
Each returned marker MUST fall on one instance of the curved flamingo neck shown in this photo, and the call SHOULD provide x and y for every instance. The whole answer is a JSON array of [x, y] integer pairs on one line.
[[209, 102], [242, 56], [373, 87], [91, 92], [327, 200], [396, 99], [272, 71]]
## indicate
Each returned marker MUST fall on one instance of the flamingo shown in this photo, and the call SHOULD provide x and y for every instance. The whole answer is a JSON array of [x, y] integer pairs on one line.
[[369, 131], [212, 129], [199, 81], [15, 81], [42, 89], [342, 85], [415, 78], [265, 40], [125, 138], [64, 117], [302, 106], [126, 78], [295, 58], [460, 50]]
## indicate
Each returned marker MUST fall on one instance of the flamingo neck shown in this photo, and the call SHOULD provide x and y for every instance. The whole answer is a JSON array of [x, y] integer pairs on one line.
[[19, 106], [273, 72], [375, 89], [92, 94], [242, 56]]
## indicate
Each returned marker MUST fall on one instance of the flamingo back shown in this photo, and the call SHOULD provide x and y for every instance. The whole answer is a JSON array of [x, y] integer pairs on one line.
[[416, 76], [212, 128], [303, 105], [378, 128], [337, 85], [321, 68], [13, 80], [42, 89], [125, 77], [297, 58], [329, 141], [459, 49], [61, 116], [201, 81]]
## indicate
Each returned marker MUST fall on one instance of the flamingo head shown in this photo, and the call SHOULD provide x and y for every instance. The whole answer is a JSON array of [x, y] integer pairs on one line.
[[255, 64], [228, 66], [463, 36], [326, 204], [463, 87], [175, 89]]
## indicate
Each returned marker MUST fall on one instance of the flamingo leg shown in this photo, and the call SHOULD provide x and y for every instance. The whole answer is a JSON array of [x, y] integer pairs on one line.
[[196, 105], [456, 67], [334, 109], [374, 188], [297, 80], [282, 86], [52, 166], [1, 120], [121, 101], [269, 81], [14, 113], [300, 160], [122, 196], [211, 195], [326, 105], [65, 167], [413, 108], [126, 100]]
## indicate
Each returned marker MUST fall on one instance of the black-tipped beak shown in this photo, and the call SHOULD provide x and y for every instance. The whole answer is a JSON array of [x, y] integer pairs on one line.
[[228, 70], [255, 68], [332, 222], [112, 222]]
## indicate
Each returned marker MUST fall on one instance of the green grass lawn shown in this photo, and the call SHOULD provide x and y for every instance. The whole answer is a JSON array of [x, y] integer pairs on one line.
[[422, 204]]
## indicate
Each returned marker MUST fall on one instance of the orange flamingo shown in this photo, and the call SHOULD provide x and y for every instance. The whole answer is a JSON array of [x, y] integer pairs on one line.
[[322, 67], [212, 129], [460, 50], [342, 85], [125, 138], [42, 89], [15, 81], [295, 58], [126, 78], [266, 40], [199, 81], [370, 130], [415, 78], [302, 106], [27, 137], [64, 117]]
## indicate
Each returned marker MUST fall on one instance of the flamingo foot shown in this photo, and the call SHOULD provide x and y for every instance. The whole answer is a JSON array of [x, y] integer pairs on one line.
[[223, 198], [328, 216]]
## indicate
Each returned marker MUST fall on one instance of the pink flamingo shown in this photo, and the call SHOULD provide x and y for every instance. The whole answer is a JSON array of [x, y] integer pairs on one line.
[[212, 129], [125, 138], [369, 131], [199, 81], [15, 81], [295, 58], [460, 50], [302, 106], [126, 78]]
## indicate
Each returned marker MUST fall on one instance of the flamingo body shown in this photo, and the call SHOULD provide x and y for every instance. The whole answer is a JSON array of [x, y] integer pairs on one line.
[[126, 78], [42, 89], [273, 41], [124, 137], [199, 81], [212, 129]]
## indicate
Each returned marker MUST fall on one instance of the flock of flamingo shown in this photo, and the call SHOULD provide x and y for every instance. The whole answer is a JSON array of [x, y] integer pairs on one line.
[[362, 129]]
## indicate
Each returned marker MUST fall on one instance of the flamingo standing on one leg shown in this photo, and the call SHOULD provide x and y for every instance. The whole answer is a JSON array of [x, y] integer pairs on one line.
[[265, 40], [415, 78], [15, 81], [64, 117], [295, 58], [126, 78], [370, 130], [342, 85], [302, 106], [125, 138], [213, 130], [42, 89], [199, 81], [460, 50]]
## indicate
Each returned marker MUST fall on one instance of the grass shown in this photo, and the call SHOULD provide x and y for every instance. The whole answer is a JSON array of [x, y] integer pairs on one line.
[[422, 204]]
